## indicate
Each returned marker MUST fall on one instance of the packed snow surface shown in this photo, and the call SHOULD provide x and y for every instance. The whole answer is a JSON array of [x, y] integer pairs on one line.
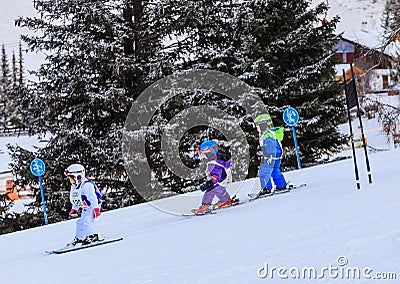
[[327, 225]]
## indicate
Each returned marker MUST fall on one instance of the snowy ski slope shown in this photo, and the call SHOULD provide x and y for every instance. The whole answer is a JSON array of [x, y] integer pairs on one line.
[[316, 227]]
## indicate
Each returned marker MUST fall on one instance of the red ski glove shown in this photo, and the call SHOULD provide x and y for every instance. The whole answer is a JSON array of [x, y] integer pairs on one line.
[[96, 213], [73, 213]]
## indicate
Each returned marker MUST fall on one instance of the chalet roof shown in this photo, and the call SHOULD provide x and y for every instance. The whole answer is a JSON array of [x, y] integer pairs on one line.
[[344, 45], [388, 51]]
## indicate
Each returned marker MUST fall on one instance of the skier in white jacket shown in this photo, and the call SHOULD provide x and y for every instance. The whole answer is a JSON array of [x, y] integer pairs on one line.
[[84, 194]]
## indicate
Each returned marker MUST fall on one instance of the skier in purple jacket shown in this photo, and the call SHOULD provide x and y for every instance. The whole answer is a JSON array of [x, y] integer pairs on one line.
[[218, 176]]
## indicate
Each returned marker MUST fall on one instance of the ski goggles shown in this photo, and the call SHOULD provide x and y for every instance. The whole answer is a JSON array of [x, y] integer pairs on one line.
[[264, 125], [207, 153], [68, 173]]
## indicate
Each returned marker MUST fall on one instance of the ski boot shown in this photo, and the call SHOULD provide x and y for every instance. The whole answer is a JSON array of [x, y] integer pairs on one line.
[[281, 189], [265, 191], [203, 209], [223, 204], [93, 238], [75, 243]]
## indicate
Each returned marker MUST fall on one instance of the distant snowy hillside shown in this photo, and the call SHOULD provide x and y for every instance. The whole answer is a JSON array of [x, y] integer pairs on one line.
[[326, 233], [360, 20]]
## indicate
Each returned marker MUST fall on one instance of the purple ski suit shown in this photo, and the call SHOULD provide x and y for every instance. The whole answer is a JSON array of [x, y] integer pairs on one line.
[[216, 172]]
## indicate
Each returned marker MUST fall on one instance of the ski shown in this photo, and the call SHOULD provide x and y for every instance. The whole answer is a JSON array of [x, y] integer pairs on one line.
[[290, 187], [252, 196], [258, 195], [193, 213], [212, 208], [295, 186], [98, 243]]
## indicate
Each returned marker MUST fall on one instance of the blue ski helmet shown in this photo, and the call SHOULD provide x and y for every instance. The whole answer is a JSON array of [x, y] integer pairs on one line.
[[208, 148]]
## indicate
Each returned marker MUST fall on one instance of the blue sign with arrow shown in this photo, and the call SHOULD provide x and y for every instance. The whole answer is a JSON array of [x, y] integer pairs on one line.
[[291, 117], [38, 168]]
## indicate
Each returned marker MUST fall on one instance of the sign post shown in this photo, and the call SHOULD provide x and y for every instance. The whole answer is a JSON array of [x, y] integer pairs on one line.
[[291, 117], [38, 168]]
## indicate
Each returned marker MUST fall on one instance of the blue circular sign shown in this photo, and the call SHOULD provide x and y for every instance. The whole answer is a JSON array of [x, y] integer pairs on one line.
[[291, 116], [37, 167]]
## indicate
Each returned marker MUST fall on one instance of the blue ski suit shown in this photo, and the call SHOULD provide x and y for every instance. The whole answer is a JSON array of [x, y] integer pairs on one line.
[[272, 156]]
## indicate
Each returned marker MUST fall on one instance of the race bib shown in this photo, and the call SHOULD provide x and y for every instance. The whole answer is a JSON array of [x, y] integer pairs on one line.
[[75, 197]]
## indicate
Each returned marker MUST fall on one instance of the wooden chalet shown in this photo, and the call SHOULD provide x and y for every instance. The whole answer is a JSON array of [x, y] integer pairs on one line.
[[371, 66]]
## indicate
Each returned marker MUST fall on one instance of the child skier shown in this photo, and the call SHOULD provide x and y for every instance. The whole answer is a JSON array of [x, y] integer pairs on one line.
[[84, 194], [270, 141], [218, 175]]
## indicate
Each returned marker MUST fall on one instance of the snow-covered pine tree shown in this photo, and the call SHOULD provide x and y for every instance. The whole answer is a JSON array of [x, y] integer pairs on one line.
[[282, 49], [14, 70], [389, 114], [287, 53], [21, 68], [20, 111], [11, 84], [13, 109], [5, 86], [391, 20], [100, 55]]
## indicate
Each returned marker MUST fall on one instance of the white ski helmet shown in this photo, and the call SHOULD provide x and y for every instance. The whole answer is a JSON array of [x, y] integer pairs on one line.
[[77, 171]]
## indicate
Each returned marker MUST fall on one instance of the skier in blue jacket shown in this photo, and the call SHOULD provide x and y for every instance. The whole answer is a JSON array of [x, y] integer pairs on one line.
[[270, 141]]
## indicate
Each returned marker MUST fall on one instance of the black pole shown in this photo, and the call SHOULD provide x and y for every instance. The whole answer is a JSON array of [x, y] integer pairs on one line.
[[351, 134], [362, 130]]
